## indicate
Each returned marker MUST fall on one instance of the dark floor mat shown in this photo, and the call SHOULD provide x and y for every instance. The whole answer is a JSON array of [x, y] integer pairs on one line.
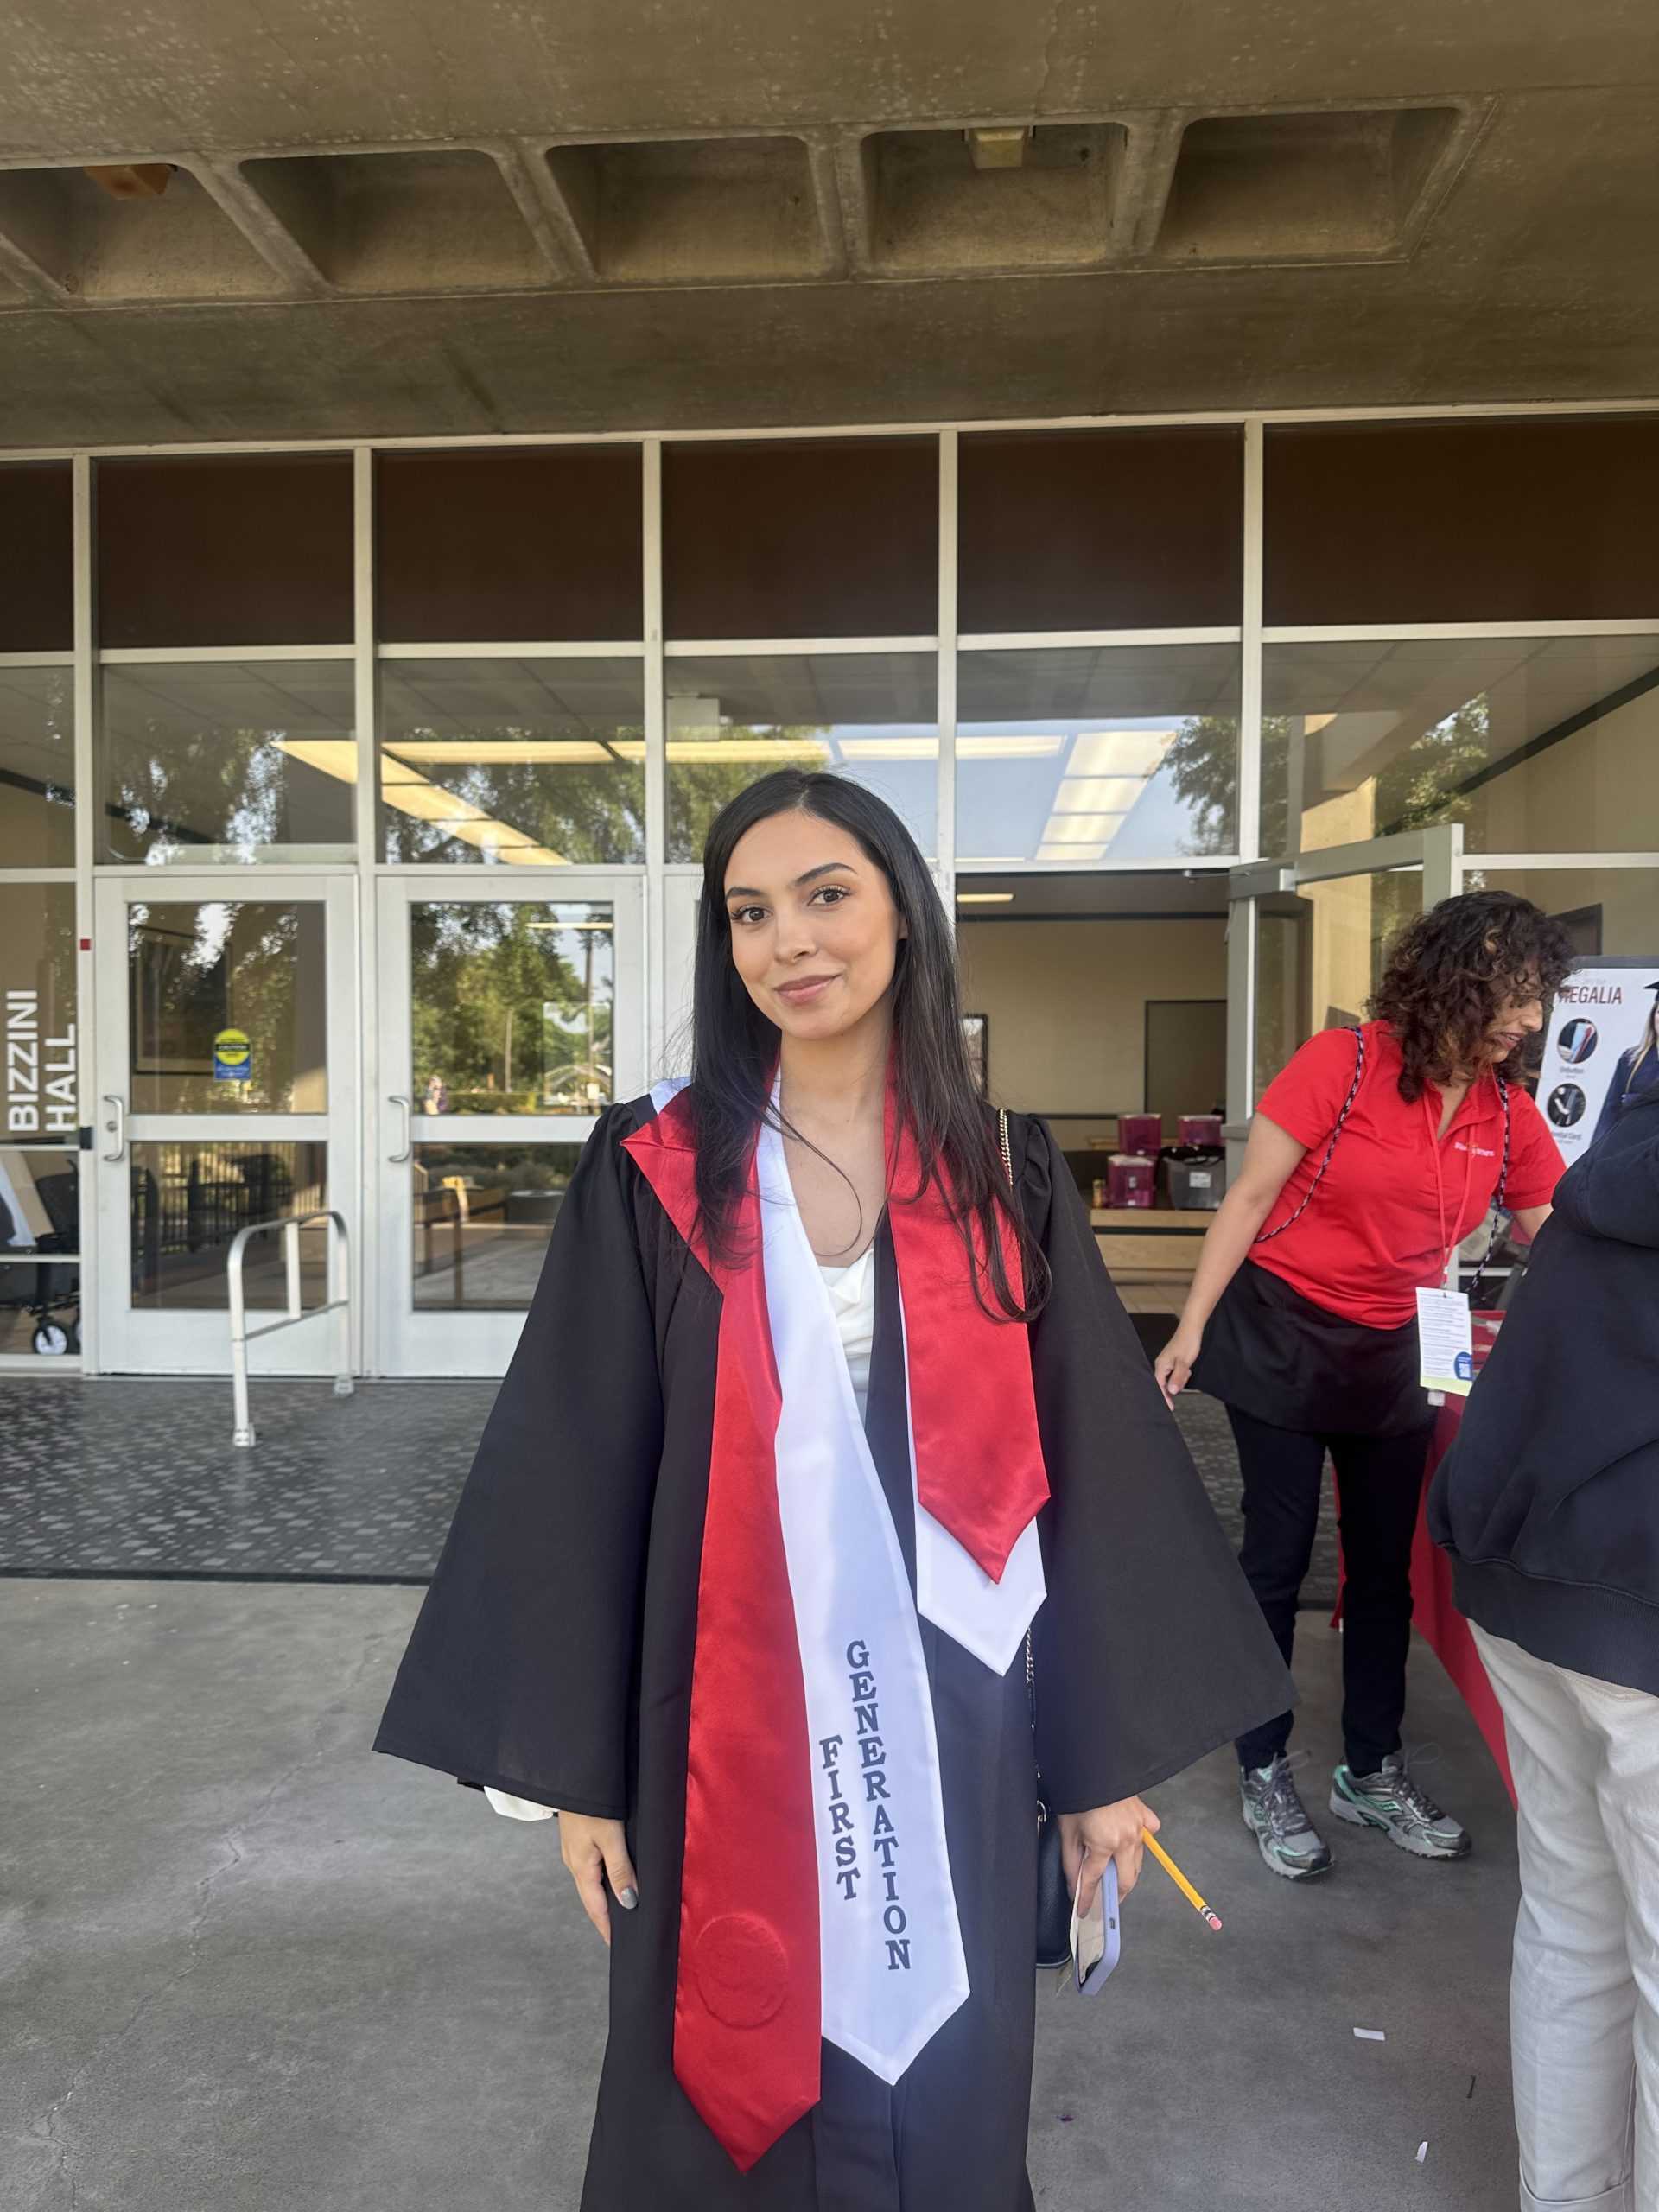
[[120, 1477]]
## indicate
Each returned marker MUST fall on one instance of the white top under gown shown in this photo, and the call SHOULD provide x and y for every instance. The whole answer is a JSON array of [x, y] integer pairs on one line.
[[852, 1294]]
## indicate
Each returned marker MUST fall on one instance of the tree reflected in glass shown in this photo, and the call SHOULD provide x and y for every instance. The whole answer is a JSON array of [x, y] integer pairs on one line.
[[513, 1006]]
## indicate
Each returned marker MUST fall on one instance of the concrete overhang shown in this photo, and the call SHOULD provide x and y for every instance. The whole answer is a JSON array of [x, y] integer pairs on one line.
[[409, 220]]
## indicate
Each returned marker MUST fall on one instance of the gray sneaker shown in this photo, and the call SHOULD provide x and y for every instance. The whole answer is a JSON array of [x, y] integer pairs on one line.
[[1408, 1816], [1277, 1817]]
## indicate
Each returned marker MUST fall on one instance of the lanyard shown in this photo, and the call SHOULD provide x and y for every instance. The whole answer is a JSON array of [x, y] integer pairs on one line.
[[1449, 1244]]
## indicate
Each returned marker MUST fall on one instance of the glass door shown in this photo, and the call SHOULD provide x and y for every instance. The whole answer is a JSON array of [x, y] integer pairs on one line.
[[511, 1018], [226, 1049], [1307, 942]]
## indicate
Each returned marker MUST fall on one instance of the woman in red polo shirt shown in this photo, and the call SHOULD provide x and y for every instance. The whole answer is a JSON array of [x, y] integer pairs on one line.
[[1371, 1157]]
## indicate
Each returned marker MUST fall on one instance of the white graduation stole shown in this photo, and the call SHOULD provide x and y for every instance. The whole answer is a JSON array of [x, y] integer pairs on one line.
[[894, 1970]]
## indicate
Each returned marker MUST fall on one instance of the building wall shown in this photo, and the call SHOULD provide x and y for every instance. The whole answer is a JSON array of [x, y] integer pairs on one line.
[[1067, 1002]]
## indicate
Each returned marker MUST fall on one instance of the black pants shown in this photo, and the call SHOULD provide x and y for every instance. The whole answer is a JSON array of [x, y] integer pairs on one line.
[[1380, 1480]]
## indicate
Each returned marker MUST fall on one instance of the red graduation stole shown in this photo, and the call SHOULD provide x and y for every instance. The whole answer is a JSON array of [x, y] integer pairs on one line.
[[748, 2000]]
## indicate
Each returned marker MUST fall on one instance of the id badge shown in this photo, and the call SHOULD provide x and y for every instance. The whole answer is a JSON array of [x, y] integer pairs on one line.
[[1446, 1342]]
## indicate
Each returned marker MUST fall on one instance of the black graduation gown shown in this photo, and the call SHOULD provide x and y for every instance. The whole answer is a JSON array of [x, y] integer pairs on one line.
[[552, 1659]]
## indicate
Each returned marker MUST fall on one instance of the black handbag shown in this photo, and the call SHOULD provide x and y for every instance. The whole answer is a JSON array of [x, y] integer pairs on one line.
[[1054, 1899]]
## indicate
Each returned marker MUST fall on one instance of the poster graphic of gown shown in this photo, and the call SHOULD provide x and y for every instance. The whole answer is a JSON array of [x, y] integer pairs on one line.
[[554, 1657], [1603, 1049]]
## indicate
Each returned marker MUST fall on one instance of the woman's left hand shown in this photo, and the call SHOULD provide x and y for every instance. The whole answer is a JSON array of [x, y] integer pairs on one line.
[[1089, 1840]]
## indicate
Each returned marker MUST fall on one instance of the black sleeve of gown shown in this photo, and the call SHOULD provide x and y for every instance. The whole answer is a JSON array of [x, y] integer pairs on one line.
[[1150, 1650], [519, 1671]]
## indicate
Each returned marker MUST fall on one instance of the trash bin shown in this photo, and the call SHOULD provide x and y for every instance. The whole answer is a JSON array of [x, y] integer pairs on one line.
[[1195, 1177]]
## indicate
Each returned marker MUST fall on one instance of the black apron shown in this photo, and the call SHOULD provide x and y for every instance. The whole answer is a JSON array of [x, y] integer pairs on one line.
[[1282, 1360]]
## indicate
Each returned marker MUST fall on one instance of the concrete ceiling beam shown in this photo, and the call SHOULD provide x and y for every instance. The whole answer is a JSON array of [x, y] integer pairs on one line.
[[557, 236], [838, 222], [565, 223], [265, 231]]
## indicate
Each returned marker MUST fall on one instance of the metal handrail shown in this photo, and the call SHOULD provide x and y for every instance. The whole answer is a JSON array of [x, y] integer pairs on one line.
[[241, 1334]]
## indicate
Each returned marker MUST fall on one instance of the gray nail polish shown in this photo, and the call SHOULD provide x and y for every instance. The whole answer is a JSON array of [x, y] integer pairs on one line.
[[627, 1898]]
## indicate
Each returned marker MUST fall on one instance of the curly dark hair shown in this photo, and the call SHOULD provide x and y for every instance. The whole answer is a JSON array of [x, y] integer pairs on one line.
[[1449, 972]]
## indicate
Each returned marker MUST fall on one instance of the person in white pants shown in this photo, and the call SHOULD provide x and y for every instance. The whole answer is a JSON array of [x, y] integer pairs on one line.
[[1549, 1503], [1584, 2007]]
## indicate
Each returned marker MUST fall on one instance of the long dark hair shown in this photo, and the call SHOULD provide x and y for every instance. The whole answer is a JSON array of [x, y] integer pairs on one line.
[[1449, 972], [734, 1047]]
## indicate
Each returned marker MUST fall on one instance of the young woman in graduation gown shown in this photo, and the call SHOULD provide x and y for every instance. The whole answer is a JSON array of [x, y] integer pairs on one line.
[[742, 1589]]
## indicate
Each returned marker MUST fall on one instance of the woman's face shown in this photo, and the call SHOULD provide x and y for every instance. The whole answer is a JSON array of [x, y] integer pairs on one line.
[[1516, 1021], [815, 931]]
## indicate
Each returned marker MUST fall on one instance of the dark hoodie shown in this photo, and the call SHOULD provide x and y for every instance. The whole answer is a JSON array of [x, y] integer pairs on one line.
[[1549, 1502]]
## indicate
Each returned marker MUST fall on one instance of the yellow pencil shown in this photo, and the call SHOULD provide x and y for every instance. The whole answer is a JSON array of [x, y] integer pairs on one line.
[[1179, 1879]]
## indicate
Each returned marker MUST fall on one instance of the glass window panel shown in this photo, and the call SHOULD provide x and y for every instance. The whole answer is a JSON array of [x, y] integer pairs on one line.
[[188, 1202], [1281, 987], [525, 543], [514, 1006], [1613, 911], [243, 549], [871, 716], [37, 612], [1354, 920], [534, 761], [40, 1204], [1320, 954], [1086, 754], [1513, 521], [1100, 529], [37, 767], [228, 1006], [37, 990], [483, 1215], [229, 760], [1533, 744], [833, 537], [40, 1310]]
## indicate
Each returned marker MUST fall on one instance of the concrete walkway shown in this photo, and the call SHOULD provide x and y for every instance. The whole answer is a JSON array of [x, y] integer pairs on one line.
[[247, 1965]]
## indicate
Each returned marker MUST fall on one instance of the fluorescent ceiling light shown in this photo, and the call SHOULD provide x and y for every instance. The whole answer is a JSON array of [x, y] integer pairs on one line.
[[533, 856], [885, 748], [499, 751], [1022, 747], [491, 835], [732, 751], [1071, 854], [571, 926], [431, 803], [985, 898], [334, 756], [1098, 794], [1119, 751], [1081, 829]]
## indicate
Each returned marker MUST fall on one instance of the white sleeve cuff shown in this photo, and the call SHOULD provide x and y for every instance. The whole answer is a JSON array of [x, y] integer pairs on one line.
[[518, 1808]]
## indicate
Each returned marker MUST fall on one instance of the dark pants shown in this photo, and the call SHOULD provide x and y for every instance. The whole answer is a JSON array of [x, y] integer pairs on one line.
[[1379, 1483]]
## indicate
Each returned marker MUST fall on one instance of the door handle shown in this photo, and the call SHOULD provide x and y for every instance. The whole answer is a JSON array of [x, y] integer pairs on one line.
[[406, 1150], [116, 1125]]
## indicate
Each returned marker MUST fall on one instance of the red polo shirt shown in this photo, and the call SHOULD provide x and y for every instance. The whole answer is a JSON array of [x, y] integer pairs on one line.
[[1395, 1198]]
